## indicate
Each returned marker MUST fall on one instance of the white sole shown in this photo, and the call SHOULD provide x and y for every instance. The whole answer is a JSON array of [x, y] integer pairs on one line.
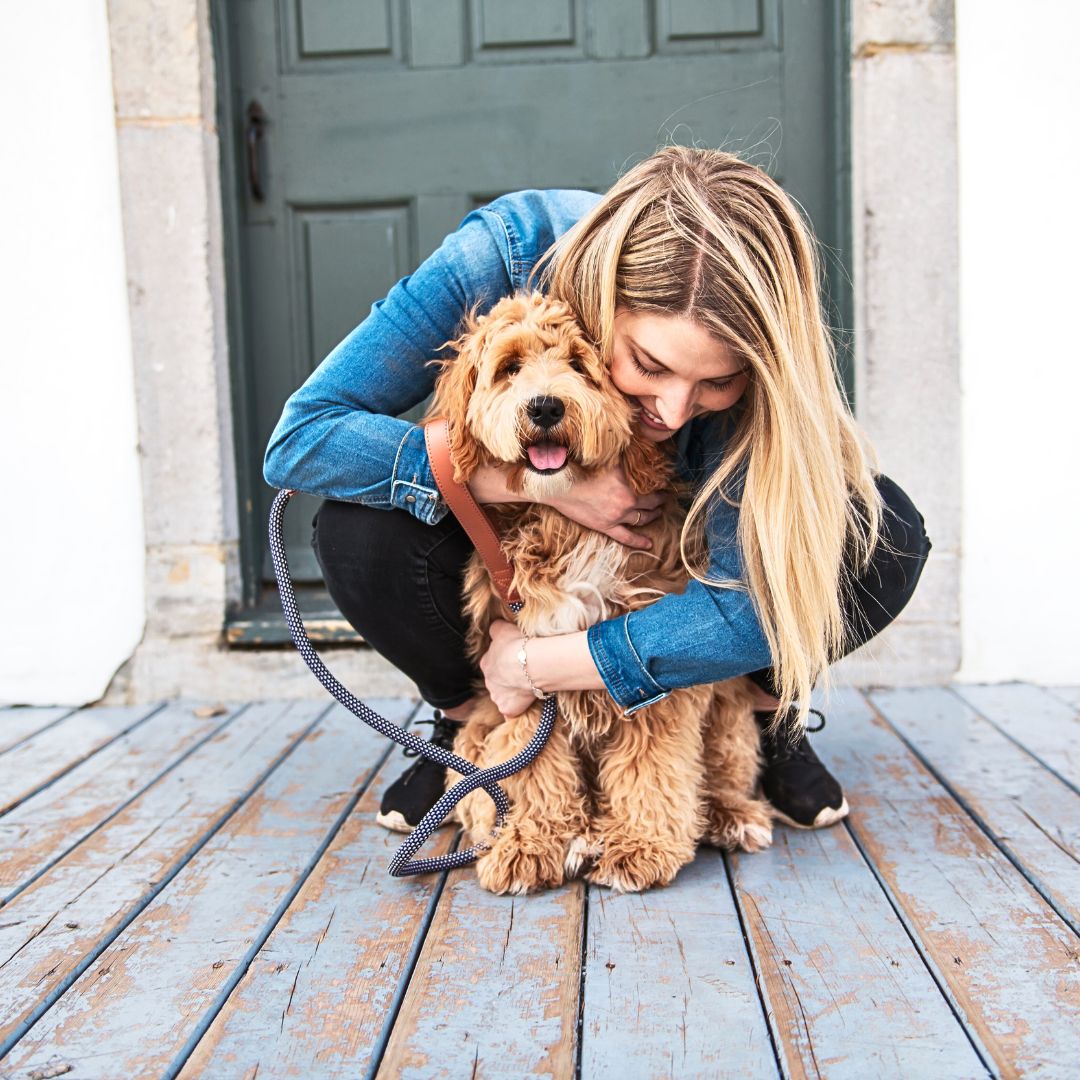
[[828, 816], [394, 821]]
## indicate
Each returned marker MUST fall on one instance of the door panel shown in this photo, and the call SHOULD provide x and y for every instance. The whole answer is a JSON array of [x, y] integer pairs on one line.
[[336, 27], [388, 120], [346, 253]]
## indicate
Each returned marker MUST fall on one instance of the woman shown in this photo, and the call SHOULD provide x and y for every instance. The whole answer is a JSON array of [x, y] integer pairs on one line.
[[698, 279]]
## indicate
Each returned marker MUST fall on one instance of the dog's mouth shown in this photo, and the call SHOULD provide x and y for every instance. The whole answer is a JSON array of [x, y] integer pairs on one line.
[[547, 457]]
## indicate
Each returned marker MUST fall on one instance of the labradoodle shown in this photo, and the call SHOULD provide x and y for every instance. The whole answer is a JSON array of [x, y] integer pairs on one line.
[[623, 800]]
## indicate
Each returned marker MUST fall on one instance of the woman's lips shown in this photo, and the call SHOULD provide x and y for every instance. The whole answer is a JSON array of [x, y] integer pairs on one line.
[[651, 421]]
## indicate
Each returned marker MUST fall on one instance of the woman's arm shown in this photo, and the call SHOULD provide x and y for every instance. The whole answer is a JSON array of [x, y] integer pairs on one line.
[[704, 634], [339, 435]]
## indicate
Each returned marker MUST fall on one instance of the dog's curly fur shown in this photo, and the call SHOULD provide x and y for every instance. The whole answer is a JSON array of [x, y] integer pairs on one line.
[[624, 800]]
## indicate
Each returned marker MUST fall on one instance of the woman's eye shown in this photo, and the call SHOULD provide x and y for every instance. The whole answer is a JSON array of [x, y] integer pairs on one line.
[[642, 369], [722, 384], [728, 381]]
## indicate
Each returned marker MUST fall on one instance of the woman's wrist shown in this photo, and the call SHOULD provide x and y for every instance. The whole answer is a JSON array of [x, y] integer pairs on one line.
[[563, 662], [523, 660], [553, 663]]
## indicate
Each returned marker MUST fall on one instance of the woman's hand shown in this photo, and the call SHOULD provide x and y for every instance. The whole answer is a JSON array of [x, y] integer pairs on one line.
[[604, 502], [505, 681], [607, 503]]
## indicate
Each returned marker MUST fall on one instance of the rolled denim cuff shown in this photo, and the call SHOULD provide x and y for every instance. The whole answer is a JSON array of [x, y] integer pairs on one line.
[[412, 483], [625, 676]]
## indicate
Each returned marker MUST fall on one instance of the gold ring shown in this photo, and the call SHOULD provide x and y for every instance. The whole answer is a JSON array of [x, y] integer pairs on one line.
[[637, 520]]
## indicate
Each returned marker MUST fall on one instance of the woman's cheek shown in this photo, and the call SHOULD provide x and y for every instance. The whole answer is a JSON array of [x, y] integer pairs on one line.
[[623, 379]]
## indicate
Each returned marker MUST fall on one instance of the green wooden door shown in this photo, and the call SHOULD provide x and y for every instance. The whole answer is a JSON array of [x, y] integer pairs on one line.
[[388, 120]]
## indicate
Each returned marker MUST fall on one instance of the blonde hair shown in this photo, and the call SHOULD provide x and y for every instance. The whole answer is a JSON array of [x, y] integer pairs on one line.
[[703, 235]]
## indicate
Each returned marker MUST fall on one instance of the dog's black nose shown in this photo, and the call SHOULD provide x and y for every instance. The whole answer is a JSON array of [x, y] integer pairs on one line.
[[546, 412]]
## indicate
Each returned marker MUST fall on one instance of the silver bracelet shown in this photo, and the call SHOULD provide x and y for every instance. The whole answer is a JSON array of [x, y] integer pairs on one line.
[[523, 661]]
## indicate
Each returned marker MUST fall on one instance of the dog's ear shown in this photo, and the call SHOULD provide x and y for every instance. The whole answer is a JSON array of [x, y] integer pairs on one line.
[[453, 389], [646, 465], [464, 452]]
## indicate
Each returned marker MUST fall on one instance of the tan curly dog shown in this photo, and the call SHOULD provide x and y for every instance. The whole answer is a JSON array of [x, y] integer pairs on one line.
[[623, 800]]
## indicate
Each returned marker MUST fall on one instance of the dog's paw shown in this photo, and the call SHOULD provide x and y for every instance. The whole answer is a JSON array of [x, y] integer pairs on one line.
[[581, 851], [636, 866], [742, 826], [510, 867]]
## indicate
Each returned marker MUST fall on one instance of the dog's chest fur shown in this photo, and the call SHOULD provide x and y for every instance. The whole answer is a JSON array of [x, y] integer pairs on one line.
[[583, 586], [570, 577]]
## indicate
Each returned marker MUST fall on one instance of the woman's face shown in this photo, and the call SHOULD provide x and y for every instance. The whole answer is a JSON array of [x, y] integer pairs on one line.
[[672, 369]]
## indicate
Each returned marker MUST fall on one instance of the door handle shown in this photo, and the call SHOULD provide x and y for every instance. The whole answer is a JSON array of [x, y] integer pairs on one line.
[[257, 121]]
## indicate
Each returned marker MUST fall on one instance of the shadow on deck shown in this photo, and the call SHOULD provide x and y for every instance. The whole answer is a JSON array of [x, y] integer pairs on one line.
[[191, 893]]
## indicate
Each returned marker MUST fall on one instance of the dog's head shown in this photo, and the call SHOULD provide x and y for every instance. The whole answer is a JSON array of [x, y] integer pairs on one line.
[[527, 389]]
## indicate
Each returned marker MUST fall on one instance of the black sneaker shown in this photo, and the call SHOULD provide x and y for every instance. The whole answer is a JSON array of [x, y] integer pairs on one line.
[[802, 791], [419, 787]]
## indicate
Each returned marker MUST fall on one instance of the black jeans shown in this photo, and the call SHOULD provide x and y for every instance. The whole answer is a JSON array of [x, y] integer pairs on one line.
[[399, 581]]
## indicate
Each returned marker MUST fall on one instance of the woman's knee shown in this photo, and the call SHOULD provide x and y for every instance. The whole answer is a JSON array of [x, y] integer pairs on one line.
[[902, 525], [383, 565], [358, 540], [882, 590], [397, 581]]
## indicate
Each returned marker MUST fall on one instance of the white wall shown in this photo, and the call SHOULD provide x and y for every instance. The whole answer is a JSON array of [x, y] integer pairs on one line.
[[1019, 85], [71, 542]]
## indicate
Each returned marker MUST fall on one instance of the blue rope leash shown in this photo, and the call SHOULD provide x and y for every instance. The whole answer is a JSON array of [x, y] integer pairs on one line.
[[473, 777]]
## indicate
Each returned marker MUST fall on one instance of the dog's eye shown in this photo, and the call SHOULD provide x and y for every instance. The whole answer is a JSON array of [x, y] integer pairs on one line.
[[512, 367], [578, 365]]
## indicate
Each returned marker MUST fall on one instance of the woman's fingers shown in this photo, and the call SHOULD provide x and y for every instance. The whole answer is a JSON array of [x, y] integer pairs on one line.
[[630, 538], [638, 518], [648, 507], [607, 503]]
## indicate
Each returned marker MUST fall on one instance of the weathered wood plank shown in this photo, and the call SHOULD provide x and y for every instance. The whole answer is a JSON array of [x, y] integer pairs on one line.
[[317, 997], [135, 1007], [495, 990], [39, 761], [1069, 694], [1032, 815], [19, 722], [54, 928], [1041, 723], [1009, 962], [669, 987], [847, 993], [43, 827]]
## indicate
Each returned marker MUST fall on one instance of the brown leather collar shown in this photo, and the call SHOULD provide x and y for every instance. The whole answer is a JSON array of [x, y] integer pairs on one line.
[[466, 509]]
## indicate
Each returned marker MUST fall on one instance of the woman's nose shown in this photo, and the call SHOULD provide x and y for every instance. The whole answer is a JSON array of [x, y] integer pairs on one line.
[[676, 408]]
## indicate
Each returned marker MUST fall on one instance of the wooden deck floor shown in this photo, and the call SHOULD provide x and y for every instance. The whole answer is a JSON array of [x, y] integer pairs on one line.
[[184, 893]]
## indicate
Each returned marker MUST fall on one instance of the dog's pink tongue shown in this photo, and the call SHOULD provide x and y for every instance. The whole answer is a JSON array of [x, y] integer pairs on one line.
[[547, 455]]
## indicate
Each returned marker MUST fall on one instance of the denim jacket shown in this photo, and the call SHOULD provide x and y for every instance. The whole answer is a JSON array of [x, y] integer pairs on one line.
[[339, 437]]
